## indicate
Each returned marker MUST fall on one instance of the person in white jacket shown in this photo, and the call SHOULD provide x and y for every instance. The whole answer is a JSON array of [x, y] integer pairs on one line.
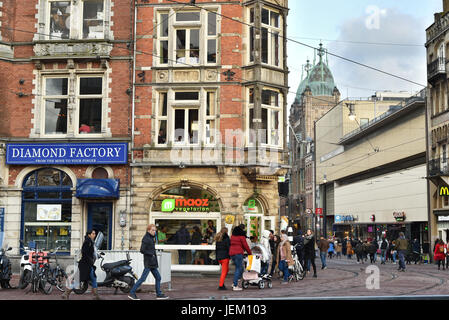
[[267, 252]]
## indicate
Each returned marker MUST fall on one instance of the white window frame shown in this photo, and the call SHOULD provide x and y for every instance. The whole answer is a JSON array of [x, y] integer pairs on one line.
[[271, 30], [172, 105], [174, 26], [79, 96], [269, 108], [44, 97], [76, 20]]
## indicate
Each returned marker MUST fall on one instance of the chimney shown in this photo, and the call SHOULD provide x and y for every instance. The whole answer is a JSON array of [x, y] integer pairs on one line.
[[445, 6]]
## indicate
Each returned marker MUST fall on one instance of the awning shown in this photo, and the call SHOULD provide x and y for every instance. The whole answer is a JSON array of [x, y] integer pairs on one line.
[[98, 188]]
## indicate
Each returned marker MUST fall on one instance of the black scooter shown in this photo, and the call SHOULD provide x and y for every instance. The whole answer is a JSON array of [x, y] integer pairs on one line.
[[119, 275], [5, 269]]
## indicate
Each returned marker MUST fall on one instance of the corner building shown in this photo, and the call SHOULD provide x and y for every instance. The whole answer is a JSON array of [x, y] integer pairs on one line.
[[210, 114], [65, 122]]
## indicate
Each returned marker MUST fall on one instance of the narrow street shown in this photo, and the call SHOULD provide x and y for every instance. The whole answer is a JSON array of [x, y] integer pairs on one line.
[[342, 278]]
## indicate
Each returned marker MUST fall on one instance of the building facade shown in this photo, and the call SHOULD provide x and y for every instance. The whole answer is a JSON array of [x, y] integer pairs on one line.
[[65, 122], [209, 137], [437, 37], [316, 95], [371, 176]]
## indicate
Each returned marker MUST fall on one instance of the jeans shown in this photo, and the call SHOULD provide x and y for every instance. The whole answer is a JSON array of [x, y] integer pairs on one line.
[[384, 255], [311, 261], [283, 266], [144, 276], [264, 268], [394, 256], [323, 259], [182, 256], [193, 256], [93, 278], [238, 261], [402, 254]]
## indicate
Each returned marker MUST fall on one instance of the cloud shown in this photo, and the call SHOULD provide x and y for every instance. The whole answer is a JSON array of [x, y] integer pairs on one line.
[[392, 27]]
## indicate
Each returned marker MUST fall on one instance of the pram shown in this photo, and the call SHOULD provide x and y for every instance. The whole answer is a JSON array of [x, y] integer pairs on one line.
[[253, 277]]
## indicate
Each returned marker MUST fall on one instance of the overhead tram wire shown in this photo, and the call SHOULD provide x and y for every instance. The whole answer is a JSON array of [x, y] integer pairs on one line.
[[307, 45]]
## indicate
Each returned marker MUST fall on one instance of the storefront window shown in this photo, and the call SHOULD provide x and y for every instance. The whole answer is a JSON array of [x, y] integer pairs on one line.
[[47, 210], [188, 219]]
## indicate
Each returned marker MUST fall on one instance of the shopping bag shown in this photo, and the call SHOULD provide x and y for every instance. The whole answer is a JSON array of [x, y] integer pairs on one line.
[[256, 265], [250, 261]]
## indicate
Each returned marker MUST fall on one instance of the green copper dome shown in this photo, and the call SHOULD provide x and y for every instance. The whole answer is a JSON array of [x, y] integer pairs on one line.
[[319, 79]]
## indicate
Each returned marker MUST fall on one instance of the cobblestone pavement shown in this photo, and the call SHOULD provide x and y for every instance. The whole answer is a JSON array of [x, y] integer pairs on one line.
[[343, 277]]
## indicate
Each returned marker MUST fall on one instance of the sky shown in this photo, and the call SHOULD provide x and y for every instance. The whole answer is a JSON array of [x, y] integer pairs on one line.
[[399, 22]]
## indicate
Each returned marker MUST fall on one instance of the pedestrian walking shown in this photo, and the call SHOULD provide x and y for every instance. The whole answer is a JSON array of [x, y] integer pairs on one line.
[[197, 239], [359, 252], [148, 249], [349, 248], [266, 244], [372, 251], [276, 242], [284, 258], [416, 249], [343, 247], [309, 251], [383, 250], [86, 265], [338, 249], [402, 247], [237, 248], [223, 243], [182, 237], [439, 255], [273, 252], [331, 250], [365, 250], [323, 245], [393, 251]]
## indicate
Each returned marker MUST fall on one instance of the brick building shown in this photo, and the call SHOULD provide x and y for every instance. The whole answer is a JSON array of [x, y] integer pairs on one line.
[[65, 121], [208, 76]]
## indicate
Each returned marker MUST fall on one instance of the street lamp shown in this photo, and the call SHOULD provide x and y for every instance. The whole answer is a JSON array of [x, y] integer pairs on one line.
[[351, 115]]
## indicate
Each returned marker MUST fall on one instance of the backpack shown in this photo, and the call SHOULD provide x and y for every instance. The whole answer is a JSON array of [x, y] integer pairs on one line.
[[441, 249]]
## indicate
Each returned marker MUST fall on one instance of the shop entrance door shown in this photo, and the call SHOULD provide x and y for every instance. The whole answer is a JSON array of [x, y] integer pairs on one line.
[[99, 218]]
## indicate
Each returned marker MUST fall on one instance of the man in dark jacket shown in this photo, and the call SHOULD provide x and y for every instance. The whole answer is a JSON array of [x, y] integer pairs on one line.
[[182, 237], [383, 250], [148, 250], [309, 251]]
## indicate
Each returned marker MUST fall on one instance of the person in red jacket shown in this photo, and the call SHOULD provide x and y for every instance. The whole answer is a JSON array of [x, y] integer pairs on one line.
[[439, 254], [238, 247]]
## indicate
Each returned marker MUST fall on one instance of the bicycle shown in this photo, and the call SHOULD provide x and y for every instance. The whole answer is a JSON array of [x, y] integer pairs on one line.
[[40, 278], [298, 270], [58, 276]]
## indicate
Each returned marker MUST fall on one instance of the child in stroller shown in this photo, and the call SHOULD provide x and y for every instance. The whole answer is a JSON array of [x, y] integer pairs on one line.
[[257, 275]]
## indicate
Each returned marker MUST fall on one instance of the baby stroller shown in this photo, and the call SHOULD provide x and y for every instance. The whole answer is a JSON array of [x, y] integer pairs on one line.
[[253, 276]]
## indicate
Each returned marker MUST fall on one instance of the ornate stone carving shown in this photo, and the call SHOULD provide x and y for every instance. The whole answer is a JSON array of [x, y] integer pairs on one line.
[[162, 76], [72, 49]]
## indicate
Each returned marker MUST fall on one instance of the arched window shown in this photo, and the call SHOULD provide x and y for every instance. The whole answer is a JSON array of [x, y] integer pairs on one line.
[[47, 209]]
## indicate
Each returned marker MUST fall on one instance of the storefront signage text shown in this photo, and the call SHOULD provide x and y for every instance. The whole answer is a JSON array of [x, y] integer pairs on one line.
[[399, 216], [443, 218], [341, 218], [70, 153], [187, 205]]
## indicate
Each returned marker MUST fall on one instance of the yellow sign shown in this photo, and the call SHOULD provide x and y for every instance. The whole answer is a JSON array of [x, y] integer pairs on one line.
[[63, 232], [229, 219], [39, 231], [444, 191]]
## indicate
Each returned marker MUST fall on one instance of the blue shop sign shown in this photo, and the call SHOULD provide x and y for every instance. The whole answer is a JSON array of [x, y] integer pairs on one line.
[[67, 153], [342, 218]]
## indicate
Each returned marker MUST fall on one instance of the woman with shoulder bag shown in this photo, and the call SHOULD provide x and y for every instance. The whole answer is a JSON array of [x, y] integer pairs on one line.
[[439, 255], [222, 244]]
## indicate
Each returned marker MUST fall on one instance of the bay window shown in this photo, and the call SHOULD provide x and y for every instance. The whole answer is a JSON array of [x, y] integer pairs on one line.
[[186, 117], [271, 115]]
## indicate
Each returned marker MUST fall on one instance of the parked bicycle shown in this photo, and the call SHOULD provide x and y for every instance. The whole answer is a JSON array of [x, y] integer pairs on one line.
[[297, 270], [57, 275], [38, 276]]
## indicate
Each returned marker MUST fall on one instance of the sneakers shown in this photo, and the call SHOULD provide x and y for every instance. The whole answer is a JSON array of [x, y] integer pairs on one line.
[[324, 268], [161, 297], [133, 297], [222, 288], [284, 282], [315, 275], [236, 288]]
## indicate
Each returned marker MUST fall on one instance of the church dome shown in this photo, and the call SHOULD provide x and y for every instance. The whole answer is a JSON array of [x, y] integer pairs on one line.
[[319, 79]]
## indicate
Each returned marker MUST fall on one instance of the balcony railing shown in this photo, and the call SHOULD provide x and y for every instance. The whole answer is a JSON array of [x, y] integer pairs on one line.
[[437, 168], [436, 67]]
